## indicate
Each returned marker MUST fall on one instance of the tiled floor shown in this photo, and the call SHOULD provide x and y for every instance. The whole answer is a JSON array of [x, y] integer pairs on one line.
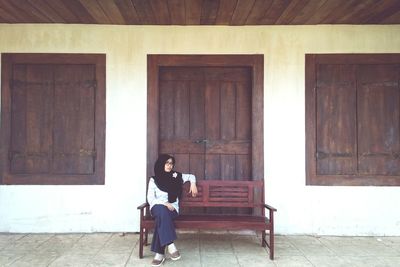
[[197, 249]]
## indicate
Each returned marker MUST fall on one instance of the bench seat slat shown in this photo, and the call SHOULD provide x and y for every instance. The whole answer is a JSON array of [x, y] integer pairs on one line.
[[229, 199], [230, 189], [226, 222], [220, 204], [229, 194]]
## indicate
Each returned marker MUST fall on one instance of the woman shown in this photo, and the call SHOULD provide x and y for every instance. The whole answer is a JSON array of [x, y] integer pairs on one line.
[[164, 191]]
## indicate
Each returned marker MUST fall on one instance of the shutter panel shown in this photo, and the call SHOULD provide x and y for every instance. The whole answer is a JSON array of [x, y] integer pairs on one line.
[[31, 102], [74, 121], [212, 118], [336, 120], [378, 120]]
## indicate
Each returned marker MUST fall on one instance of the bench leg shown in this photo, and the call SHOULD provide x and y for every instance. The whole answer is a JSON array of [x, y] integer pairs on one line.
[[141, 243], [146, 236], [263, 241], [271, 243]]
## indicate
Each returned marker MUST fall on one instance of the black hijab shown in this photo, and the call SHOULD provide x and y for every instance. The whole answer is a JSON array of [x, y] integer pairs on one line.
[[166, 181]]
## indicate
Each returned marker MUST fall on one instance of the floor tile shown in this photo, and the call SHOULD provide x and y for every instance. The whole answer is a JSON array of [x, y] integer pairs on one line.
[[303, 240], [109, 259], [327, 261], [292, 261], [362, 261], [35, 259], [317, 250], [287, 249], [72, 260], [349, 250], [6, 257], [212, 260], [390, 261], [255, 260]]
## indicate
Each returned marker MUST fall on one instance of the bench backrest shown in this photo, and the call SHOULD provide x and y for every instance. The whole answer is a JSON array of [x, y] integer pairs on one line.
[[218, 193]]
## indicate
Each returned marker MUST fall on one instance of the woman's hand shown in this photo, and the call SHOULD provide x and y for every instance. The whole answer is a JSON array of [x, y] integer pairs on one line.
[[169, 206], [193, 189]]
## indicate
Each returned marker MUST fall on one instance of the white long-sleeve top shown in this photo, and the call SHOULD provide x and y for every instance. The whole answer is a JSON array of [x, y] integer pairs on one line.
[[156, 196]]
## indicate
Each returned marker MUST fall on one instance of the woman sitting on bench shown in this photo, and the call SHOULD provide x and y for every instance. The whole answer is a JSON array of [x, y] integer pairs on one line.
[[164, 191]]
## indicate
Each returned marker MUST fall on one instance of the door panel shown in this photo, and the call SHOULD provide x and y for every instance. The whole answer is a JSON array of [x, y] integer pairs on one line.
[[205, 120]]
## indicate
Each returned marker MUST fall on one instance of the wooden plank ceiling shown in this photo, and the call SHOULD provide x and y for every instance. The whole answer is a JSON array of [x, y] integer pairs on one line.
[[201, 12]]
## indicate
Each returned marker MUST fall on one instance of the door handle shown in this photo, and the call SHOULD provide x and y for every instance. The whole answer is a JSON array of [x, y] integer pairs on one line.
[[201, 141]]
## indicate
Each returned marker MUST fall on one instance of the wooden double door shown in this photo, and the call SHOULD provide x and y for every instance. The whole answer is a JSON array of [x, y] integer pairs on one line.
[[202, 110], [205, 120]]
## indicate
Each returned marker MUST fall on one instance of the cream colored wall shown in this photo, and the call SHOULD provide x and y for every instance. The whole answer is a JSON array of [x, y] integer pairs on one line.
[[301, 209]]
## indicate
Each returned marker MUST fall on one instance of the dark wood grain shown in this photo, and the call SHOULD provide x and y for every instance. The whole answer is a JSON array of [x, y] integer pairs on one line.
[[258, 11], [128, 11], [242, 12], [378, 110], [201, 12], [225, 115], [112, 12], [336, 117], [95, 9], [295, 7], [67, 15], [324, 11], [225, 11], [356, 97], [209, 12], [47, 10], [309, 10], [76, 7], [177, 10], [162, 11], [144, 12], [274, 12], [193, 12], [54, 108]]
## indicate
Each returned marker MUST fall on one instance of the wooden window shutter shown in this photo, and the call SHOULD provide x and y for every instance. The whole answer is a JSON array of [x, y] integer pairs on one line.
[[336, 151], [31, 112], [378, 120], [74, 125], [53, 113], [353, 119]]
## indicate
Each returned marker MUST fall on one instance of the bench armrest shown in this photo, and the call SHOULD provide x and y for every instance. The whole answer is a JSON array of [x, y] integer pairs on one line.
[[269, 207], [144, 205]]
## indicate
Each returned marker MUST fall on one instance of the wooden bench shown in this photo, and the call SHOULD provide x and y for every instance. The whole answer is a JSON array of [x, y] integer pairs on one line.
[[218, 194]]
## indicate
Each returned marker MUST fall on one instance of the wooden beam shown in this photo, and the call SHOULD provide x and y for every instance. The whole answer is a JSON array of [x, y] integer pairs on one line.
[[225, 12], [80, 11], [95, 10], [258, 12], [311, 8], [144, 11], [294, 7], [274, 12], [242, 11], [177, 11], [161, 12], [193, 12], [43, 7], [67, 15], [112, 11], [209, 12], [127, 11]]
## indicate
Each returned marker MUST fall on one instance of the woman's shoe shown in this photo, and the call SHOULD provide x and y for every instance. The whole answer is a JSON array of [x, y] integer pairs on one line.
[[157, 263], [175, 256]]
